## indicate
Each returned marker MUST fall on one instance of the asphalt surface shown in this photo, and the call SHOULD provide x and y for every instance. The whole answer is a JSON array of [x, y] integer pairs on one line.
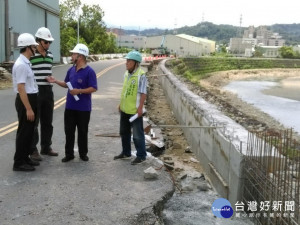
[[100, 191]]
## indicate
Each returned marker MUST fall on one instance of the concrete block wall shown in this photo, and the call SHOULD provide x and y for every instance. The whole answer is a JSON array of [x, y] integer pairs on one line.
[[219, 150]]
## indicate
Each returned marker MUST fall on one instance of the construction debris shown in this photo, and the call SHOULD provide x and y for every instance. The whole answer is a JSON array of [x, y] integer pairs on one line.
[[5, 78], [150, 173], [168, 166], [188, 150]]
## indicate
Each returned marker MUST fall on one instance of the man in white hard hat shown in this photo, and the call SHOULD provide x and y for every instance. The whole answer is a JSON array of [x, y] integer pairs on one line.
[[26, 88], [42, 67], [82, 82]]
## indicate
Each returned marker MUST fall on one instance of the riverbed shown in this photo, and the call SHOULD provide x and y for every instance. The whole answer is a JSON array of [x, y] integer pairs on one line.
[[279, 99]]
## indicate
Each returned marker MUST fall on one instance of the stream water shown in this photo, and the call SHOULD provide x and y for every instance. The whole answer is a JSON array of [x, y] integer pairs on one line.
[[281, 100]]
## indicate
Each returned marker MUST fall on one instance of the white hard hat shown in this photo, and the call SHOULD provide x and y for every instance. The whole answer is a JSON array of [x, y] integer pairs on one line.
[[44, 33], [26, 39], [81, 49]]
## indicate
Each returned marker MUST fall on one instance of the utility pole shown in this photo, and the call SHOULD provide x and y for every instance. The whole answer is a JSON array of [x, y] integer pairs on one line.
[[78, 16], [175, 27], [7, 33], [240, 35], [240, 31], [120, 36]]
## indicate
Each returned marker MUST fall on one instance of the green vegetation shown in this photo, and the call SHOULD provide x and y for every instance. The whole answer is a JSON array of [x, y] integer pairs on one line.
[[198, 68], [287, 52], [289, 32], [92, 30], [220, 33]]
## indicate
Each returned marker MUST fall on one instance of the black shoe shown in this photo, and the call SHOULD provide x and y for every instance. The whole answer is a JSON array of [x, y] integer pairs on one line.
[[122, 156], [24, 167], [50, 152], [32, 162], [84, 158], [137, 161], [67, 158], [36, 156]]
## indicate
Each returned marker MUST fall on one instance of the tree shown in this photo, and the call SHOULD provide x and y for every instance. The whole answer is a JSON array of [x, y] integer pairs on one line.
[[68, 12], [91, 25], [297, 54], [92, 29], [111, 43], [68, 25], [258, 53], [67, 40], [287, 52]]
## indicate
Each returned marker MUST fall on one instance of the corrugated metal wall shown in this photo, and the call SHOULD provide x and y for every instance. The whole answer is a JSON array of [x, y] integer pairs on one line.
[[27, 16], [2, 31], [180, 46]]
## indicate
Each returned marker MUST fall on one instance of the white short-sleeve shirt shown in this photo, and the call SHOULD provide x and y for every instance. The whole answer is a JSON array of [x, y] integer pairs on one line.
[[22, 73]]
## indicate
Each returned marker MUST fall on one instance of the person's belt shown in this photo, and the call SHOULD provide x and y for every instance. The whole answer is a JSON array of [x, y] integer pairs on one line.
[[45, 86]]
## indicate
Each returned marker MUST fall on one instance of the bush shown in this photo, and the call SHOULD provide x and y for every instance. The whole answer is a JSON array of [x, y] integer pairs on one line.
[[188, 75]]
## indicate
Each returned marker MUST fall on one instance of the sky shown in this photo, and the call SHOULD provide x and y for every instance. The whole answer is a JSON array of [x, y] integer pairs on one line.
[[170, 14]]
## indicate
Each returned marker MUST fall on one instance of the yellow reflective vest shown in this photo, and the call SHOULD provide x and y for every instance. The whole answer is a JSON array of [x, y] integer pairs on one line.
[[130, 98]]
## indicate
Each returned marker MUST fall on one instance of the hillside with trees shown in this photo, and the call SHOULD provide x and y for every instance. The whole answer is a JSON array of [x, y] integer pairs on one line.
[[222, 33], [289, 32]]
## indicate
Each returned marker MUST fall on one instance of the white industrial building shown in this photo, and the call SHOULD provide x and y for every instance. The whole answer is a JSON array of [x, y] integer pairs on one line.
[[26, 16], [270, 51], [131, 41], [182, 44]]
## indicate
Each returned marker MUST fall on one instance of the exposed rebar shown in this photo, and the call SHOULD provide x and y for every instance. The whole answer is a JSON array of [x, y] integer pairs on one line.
[[272, 174]]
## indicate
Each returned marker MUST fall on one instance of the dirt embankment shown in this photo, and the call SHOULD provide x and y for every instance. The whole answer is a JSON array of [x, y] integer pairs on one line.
[[243, 113], [211, 90], [176, 145]]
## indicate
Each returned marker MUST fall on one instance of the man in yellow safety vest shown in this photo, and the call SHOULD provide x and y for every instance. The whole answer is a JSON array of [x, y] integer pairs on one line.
[[133, 96]]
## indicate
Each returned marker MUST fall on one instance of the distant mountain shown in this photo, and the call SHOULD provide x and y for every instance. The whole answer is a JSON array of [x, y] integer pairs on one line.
[[218, 33], [222, 33], [146, 32], [289, 32]]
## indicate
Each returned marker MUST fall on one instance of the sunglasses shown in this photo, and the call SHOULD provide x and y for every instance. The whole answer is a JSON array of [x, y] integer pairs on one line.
[[47, 42]]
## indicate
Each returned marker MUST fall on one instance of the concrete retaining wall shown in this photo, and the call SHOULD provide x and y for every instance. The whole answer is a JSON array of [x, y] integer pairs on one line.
[[220, 150]]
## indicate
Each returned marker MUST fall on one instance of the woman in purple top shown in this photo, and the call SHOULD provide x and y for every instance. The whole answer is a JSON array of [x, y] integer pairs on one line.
[[82, 82]]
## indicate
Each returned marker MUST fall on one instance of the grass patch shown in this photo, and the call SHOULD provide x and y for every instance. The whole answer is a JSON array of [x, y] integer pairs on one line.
[[195, 69]]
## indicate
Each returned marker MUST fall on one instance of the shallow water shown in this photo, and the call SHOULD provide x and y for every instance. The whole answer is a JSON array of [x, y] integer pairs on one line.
[[287, 88], [281, 100]]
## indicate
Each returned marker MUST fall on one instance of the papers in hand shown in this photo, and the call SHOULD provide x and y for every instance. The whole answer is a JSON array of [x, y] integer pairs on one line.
[[71, 88], [131, 119]]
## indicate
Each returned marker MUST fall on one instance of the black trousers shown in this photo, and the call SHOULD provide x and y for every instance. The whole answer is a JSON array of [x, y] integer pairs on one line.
[[25, 129], [79, 119], [45, 118]]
